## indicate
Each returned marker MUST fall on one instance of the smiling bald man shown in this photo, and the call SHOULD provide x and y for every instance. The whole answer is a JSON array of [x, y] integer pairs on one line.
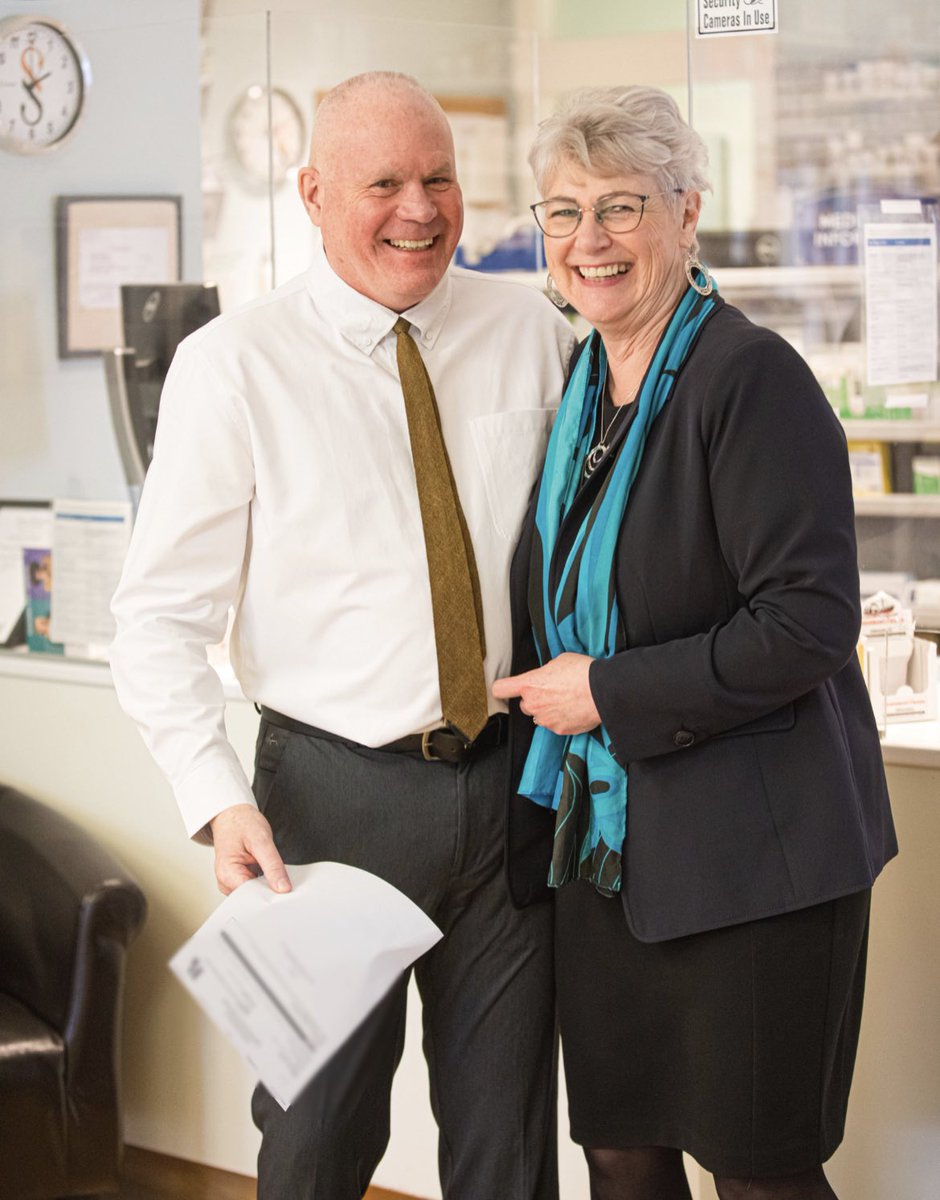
[[283, 486]]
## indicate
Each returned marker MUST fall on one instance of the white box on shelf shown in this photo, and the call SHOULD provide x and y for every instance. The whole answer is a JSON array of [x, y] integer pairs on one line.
[[900, 668]]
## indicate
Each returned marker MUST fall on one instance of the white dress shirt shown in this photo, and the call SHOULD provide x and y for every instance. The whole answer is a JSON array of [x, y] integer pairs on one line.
[[282, 485]]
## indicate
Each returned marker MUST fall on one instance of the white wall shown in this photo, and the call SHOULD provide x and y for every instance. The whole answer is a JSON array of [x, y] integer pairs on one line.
[[139, 135]]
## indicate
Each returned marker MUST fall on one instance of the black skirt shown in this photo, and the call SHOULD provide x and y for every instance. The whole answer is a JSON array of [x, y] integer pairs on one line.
[[736, 1045]]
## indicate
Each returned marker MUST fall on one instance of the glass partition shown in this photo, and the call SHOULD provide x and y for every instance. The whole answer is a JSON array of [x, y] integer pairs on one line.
[[268, 70], [808, 127], [817, 131]]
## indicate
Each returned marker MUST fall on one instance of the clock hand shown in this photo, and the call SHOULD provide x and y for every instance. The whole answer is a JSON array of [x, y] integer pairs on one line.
[[35, 81], [35, 99], [30, 55]]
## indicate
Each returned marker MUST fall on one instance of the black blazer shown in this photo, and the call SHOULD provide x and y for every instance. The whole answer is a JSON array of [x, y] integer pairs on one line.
[[735, 701]]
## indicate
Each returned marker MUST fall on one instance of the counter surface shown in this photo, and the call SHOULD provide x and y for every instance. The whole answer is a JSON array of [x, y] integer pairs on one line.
[[906, 744]]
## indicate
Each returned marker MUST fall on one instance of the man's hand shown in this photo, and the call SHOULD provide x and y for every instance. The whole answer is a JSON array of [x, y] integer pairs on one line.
[[557, 695], [244, 848]]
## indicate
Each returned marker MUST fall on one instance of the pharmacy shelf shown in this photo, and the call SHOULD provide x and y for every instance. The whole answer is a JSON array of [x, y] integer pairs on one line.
[[786, 279], [897, 505], [858, 429], [912, 744], [746, 279]]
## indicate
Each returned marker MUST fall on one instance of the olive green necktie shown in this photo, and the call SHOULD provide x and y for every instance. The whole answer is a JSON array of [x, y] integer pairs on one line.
[[455, 585]]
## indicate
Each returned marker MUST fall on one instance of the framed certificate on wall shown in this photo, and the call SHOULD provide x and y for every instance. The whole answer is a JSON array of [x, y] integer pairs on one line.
[[102, 242]]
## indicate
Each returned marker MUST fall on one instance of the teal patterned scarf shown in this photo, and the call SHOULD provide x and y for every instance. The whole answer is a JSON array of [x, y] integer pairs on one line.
[[573, 604]]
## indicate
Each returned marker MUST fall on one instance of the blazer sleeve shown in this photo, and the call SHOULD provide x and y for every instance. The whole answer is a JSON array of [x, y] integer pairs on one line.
[[781, 497]]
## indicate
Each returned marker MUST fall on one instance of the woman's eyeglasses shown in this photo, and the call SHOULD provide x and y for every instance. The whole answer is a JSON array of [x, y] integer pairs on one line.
[[619, 212]]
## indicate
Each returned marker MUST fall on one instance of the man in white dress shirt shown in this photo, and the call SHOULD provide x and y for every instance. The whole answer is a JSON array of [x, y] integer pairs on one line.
[[283, 486]]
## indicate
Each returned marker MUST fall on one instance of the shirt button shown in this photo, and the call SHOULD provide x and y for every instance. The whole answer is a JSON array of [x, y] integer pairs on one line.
[[683, 738]]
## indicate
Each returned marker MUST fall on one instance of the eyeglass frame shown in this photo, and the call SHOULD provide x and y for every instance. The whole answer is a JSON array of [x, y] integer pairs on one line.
[[598, 210]]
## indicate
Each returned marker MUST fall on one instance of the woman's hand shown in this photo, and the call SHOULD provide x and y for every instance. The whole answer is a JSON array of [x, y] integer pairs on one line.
[[557, 695]]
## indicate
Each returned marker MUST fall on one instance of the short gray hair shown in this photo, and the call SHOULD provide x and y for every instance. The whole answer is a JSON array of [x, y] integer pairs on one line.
[[633, 130]]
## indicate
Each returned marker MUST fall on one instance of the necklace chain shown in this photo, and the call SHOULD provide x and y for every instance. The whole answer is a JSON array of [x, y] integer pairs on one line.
[[595, 456]]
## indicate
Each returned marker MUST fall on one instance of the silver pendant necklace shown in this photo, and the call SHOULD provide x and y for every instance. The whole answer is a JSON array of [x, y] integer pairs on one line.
[[595, 456]]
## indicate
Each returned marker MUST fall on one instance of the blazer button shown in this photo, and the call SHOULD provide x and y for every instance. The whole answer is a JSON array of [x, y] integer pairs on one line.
[[683, 738]]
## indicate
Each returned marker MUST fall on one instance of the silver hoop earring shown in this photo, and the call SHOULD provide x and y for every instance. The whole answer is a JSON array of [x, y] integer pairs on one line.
[[553, 293], [692, 267]]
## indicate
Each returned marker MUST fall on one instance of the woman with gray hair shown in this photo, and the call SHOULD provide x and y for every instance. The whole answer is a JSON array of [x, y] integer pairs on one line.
[[704, 753]]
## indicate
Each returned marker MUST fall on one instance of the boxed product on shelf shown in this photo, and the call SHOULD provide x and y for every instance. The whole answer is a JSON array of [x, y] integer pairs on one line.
[[900, 668], [922, 596], [926, 471], [870, 463]]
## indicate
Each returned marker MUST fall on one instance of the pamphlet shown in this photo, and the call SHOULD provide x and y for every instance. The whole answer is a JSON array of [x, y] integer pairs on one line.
[[89, 541]]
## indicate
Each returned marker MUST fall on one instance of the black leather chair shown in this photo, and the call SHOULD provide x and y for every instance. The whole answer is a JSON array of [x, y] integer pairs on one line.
[[68, 911]]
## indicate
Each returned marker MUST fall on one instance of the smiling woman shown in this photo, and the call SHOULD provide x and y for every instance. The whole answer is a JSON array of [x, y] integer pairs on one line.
[[625, 269], [702, 731]]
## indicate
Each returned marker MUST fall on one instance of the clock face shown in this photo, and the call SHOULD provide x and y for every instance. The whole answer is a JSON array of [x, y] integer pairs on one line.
[[248, 135], [43, 79]]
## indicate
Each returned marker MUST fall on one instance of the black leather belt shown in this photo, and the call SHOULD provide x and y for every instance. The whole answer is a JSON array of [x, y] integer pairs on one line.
[[436, 745]]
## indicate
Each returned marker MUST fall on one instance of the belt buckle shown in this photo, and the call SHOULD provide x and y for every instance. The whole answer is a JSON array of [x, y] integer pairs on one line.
[[426, 753], [456, 753]]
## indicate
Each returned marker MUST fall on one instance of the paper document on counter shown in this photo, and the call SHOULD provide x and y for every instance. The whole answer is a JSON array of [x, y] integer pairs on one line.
[[89, 544], [288, 977]]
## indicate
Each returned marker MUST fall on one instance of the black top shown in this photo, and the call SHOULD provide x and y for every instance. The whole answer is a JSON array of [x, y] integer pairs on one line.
[[737, 706]]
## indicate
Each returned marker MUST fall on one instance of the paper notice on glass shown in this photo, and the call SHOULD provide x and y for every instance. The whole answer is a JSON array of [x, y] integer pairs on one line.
[[89, 545], [901, 302], [20, 527], [288, 977]]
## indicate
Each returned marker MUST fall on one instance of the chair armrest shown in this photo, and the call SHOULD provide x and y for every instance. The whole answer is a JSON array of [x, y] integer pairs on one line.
[[68, 911], [68, 895], [108, 919]]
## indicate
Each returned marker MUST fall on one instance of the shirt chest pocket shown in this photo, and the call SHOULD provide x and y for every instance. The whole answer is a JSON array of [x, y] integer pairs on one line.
[[510, 448]]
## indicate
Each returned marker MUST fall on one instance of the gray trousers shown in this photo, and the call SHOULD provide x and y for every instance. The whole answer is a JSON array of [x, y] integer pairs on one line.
[[437, 833]]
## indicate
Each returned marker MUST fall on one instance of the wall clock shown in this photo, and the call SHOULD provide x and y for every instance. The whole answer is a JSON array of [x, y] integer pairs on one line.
[[248, 135], [44, 77]]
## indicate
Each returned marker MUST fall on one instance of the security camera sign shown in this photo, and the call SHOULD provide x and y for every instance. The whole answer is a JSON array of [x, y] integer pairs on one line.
[[723, 18]]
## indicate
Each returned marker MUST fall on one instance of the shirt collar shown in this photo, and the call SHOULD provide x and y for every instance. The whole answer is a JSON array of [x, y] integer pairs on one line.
[[364, 322]]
